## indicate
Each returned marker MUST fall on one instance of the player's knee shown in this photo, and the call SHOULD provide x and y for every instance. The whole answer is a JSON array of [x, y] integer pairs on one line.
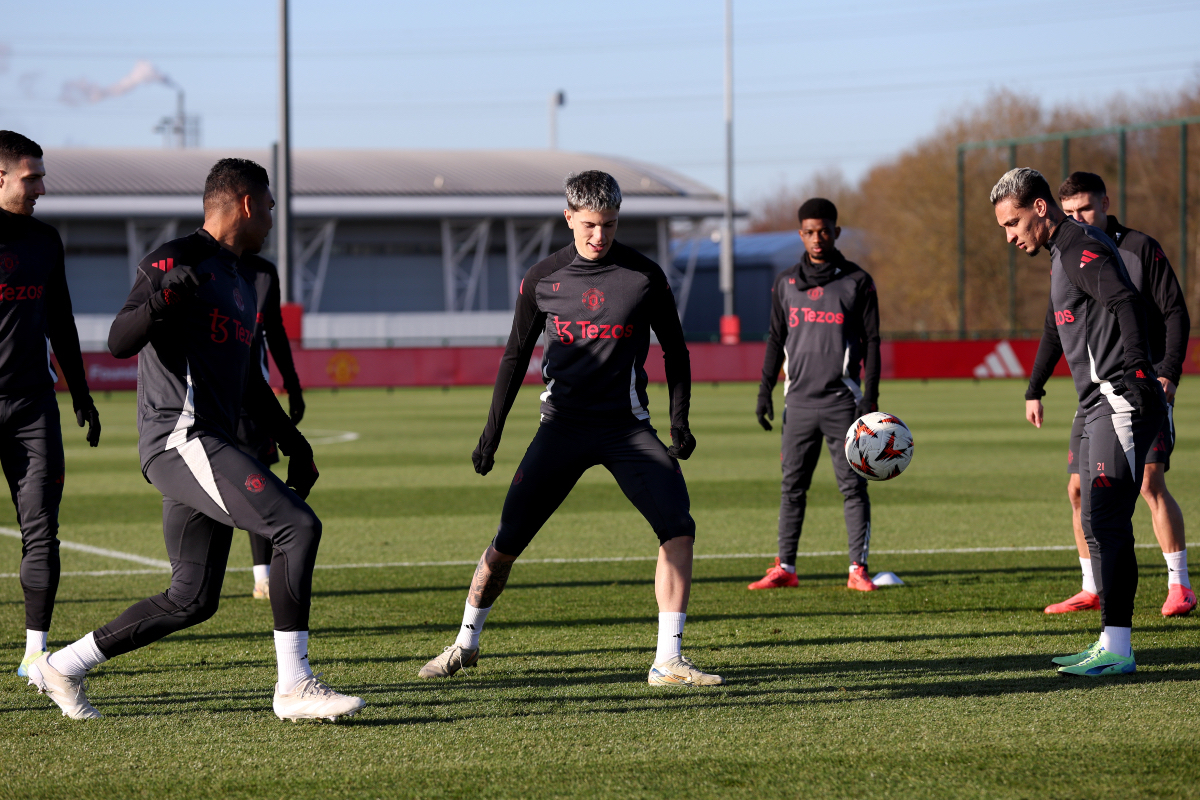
[[510, 541], [683, 526]]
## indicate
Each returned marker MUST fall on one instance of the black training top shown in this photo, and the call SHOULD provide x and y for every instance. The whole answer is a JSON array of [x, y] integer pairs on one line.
[[1096, 318], [35, 311], [270, 334], [824, 322], [195, 372], [1167, 316], [596, 317]]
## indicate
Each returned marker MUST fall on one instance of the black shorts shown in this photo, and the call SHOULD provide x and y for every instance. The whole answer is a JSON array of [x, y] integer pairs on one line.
[[1160, 451], [559, 455]]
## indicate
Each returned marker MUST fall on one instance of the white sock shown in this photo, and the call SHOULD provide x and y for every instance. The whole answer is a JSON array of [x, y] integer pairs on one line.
[[788, 568], [1089, 580], [472, 626], [1177, 569], [78, 659], [670, 635], [35, 641], [262, 572], [291, 654], [1116, 640]]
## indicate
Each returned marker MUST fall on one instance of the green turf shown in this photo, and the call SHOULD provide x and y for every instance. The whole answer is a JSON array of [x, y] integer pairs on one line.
[[940, 688]]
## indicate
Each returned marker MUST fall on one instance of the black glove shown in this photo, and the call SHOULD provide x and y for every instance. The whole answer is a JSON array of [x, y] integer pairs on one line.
[[483, 458], [181, 284], [865, 406], [683, 444], [302, 470], [91, 416], [295, 405], [765, 410], [1141, 391]]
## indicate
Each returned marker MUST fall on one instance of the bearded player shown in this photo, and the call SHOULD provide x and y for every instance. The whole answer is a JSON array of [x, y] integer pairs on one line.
[[1085, 198], [191, 316], [1097, 320], [824, 324], [35, 314], [595, 301]]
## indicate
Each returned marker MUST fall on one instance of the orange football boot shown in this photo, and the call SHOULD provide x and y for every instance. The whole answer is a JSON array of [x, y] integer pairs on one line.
[[1084, 601], [1180, 601], [776, 578], [859, 579]]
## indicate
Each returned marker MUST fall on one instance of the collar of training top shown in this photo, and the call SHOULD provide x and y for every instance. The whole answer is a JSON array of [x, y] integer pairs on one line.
[[1115, 229], [825, 271], [604, 261], [227, 256]]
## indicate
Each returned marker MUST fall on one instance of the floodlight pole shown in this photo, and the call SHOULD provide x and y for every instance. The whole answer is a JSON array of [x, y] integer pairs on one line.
[[283, 165], [557, 100], [730, 327]]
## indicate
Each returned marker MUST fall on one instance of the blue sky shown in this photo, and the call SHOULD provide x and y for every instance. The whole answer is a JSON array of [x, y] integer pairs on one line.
[[817, 86]]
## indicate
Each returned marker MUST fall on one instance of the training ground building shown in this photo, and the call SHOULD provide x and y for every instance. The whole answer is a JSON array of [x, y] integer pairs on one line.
[[395, 248]]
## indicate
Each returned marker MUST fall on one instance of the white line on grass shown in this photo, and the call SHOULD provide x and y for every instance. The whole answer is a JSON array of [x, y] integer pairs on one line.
[[163, 565], [99, 551], [331, 437]]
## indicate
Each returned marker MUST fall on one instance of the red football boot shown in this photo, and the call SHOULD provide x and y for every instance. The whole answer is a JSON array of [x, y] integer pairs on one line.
[[859, 579], [1084, 601], [1180, 601], [776, 578]]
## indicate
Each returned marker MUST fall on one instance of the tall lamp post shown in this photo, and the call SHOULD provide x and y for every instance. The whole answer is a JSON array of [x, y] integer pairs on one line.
[[283, 165], [557, 101], [730, 324]]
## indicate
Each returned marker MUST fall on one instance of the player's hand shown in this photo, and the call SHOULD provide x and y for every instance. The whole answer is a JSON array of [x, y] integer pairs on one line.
[[296, 405], [1139, 391], [302, 470], [1168, 389], [683, 444], [181, 284], [88, 414], [865, 406], [765, 410], [1034, 412], [483, 459]]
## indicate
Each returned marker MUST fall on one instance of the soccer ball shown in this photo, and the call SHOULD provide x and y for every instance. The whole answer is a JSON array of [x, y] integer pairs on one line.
[[878, 446]]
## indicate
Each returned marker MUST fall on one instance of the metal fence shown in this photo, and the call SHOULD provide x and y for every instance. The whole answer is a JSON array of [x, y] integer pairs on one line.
[[1065, 138]]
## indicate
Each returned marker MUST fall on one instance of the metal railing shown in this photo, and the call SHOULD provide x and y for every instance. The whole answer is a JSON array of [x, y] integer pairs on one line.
[[1065, 138]]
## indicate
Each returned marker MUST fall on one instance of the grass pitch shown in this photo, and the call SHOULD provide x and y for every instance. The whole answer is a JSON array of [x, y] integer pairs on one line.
[[939, 688]]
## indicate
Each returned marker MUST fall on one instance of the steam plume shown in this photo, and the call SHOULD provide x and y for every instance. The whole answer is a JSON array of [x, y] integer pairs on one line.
[[82, 91]]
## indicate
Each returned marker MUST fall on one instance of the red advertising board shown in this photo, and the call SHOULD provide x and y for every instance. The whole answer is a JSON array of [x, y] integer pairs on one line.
[[476, 366]]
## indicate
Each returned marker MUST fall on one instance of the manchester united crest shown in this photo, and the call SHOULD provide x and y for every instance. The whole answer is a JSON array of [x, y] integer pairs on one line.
[[237, 299], [593, 299], [815, 293], [8, 262], [255, 483]]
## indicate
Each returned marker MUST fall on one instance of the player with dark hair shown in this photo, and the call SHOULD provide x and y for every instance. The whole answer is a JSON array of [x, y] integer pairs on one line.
[[251, 438], [191, 315], [824, 325], [35, 315], [1085, 198], [1097, 319], [595, 301]]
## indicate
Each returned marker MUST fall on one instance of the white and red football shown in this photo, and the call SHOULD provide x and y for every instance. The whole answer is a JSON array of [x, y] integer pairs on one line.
[[879, 446]]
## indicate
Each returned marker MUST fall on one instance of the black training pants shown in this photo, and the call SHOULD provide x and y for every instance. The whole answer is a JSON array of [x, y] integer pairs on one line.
[[209, 487], [31, 453], [559, 455], [1112, 456], [803, 429], [254, 442]]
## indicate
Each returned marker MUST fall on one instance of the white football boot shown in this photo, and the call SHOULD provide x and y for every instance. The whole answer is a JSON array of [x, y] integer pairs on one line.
[[452, 659], [67, 692], [313, 699], [679, 671]]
